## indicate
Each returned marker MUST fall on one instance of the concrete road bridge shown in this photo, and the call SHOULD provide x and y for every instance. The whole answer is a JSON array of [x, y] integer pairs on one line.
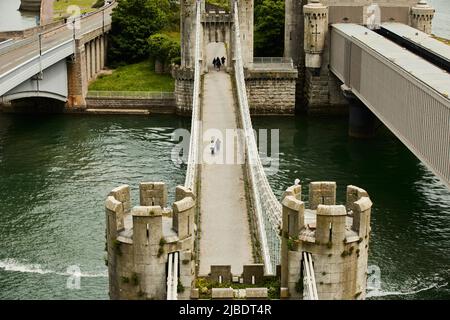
[[56, 63]]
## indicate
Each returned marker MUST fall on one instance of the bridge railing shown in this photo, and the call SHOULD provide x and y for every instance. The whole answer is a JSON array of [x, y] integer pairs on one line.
[[73, 28], [172, 276], [131, 94], [309, 278], [267, 207], [191, 172], [272, 62]]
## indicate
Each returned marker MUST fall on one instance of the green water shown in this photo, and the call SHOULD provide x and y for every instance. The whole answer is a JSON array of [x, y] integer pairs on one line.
[[410, 239], [55, 172]]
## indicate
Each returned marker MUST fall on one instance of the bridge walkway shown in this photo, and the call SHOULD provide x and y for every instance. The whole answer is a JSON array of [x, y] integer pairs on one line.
[[225, 234]]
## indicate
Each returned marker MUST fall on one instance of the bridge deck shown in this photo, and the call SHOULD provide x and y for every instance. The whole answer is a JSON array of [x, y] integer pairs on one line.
[[419, 38], [225, 235], [407, 93], [20, 60]]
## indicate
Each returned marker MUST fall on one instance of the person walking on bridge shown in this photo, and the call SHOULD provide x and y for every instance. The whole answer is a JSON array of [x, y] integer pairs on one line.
[[218, 64], [212, 146], [218, 142], [223, 60]]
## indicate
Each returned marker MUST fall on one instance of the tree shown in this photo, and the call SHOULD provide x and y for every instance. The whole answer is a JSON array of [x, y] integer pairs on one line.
[[269, 28], [163, 50], [133, 22]]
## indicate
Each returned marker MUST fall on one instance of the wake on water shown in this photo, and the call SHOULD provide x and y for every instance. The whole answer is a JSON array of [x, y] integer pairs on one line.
[[14, 265], [375, 292]]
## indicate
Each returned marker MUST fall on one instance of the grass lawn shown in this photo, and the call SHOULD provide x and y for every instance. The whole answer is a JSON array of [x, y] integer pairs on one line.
[[446, 41], [60, 6], [134, 77]]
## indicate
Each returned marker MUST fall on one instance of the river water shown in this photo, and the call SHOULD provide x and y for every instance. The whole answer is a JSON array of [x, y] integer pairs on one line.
[[55, 172], [12, 19], [441, 20]]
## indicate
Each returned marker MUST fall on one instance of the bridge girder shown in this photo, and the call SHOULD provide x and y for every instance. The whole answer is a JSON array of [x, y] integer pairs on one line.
[[51, 83]]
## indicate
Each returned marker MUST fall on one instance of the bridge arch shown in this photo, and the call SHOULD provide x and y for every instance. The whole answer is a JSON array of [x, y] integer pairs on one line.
[[217, 36], [50, 83]]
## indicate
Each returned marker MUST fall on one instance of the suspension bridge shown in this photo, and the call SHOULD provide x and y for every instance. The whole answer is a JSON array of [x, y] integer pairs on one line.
[[225, 236]]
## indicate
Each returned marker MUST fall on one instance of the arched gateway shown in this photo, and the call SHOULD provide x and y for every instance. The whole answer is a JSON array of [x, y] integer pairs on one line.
[[267, 79]]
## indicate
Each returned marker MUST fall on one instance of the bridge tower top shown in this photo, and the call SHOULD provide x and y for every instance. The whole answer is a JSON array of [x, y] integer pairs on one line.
[[422, 16], [188, 25]]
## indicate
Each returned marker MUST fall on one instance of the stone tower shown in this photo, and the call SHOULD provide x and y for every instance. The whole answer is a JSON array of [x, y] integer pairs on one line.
[[213, 26], [141, 240], [422, 16], [187, 28], [336, 236], [246, 20], [316, 25], [317, 90]]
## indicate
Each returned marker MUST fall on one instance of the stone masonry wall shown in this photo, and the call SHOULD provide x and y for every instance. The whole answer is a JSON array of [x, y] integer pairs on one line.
[[323, 94], [312, 95], [184, 90], [153, 105], [271, 92]]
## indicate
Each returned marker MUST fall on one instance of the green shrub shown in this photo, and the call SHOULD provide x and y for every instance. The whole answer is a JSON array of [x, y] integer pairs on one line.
[[98, 4]]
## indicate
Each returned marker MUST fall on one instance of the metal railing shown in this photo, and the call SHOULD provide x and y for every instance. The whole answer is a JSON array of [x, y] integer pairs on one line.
[[131, 94], [267, 207], [37, 49], [73, 28], [309, 278], [191, 172], [172, 276], [272, 62]]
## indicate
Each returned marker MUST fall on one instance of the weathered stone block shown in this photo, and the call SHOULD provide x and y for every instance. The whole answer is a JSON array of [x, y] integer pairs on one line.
[[222, 293], [253, 274], [256, 293], [221, 272]]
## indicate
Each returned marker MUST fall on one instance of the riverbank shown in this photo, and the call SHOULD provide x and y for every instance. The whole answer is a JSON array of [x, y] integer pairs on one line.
[[139, 76], [116, 103]]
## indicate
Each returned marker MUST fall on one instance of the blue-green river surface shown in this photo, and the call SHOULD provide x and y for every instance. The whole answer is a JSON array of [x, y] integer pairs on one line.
[[56, 170]]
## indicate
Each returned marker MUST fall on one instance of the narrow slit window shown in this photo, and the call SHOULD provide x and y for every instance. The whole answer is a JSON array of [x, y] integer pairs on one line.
[[331, 232]]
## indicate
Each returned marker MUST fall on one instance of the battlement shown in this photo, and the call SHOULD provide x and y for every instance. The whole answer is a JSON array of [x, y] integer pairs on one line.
[[140, 239], [337, 236], [217, 17]]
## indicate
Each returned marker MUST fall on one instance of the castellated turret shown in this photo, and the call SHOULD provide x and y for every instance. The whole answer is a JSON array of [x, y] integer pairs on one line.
[[187, 28], [422, 16], [336, 236], [316, 27], [246, 21], [140, 241]]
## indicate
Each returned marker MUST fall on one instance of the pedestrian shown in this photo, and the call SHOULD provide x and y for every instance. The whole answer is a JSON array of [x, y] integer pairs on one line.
[[212, 146], [215, 62], [223, 60], [218, 142], [218, 64]]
